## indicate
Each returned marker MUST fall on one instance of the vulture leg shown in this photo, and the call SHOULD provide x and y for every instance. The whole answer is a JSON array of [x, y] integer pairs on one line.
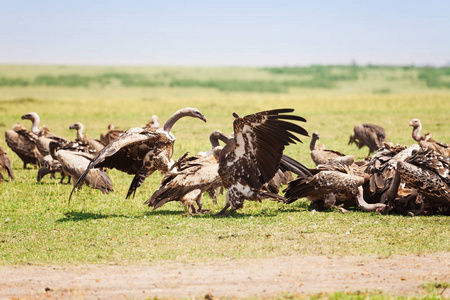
[[198, 200], [421, 210], [364, 206], [223, 212]]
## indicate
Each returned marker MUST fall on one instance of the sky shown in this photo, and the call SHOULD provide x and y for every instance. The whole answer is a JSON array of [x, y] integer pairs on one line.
[[225, 33]]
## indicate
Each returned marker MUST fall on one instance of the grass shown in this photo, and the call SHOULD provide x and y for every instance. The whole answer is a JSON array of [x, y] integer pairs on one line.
[[37, 225]]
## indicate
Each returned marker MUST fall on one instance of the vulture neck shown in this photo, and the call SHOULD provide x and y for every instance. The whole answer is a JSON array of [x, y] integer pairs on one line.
[[167, 127], [52, 147], [35, 124], [416, 133], [80, 135], [312, 145]]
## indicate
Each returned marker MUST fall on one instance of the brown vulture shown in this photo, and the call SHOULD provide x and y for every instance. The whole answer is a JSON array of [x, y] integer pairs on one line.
[[370, 135], [110, 135], [23, 143], [5, 165], [81, 137], [195, 176], [428, 173], [319, 154], [140, 152], [334, 184], [252, 157], [74, 159], [426, 141]]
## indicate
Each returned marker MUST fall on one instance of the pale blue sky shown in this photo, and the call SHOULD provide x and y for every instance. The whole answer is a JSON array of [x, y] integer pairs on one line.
[[225, 33]]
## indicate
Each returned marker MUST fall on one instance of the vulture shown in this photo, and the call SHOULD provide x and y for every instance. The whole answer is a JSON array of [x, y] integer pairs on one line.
[[334, 184], [252, 157], [319, 154], [95, 144], [74, 159], [49, 165], [140, 151], [5, 164], [370, 135], [154, 123], [195, 176], [23, 143], [426, 142], [428, 174], [111, 135]]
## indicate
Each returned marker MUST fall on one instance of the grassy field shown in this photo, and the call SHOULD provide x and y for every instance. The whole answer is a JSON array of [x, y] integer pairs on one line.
[[38, 226]]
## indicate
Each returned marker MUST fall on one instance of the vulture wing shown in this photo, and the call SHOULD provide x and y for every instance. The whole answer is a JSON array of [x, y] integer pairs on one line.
[[259, 140]]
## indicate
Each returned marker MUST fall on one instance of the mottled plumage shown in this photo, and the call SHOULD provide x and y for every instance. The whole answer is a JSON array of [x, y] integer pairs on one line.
[[140, 152], [370, 135], [426, 142], [428, 173], [23, 143], [319, 154], [252, 157], [81, 137], [5, 165]]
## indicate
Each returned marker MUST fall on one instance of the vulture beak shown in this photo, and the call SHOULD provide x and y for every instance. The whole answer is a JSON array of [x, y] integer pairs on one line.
[[27, 116], [72, 126]]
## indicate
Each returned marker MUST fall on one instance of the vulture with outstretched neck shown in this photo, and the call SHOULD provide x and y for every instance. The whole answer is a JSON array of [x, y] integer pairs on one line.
[[75, 162], [426, 141], [195, 176], [252, 157], [23, 142], [5, 164], [81, 137], [140, 152], [319, 154]]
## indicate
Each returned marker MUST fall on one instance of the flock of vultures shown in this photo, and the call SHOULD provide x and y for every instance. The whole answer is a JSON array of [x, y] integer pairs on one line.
[[411, 180]]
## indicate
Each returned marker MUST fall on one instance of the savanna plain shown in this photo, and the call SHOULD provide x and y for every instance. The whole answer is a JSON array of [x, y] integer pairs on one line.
[[103, 246]]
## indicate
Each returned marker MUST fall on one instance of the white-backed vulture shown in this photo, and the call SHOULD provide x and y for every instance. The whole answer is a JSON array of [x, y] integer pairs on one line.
[[75, 163], [331, 185], [195, 175], [252, 157], [23, 143], [140, 152], [426, 141], [49, 165], [5, 165], [319, 154], [370, 135], [428, 174], [81, 137], [110, 135]]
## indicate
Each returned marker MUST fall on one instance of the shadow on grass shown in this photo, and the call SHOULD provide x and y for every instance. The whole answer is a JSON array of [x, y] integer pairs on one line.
[[73, 216]]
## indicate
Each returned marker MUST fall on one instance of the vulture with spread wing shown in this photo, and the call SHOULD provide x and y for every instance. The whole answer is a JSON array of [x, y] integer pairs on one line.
[[5, 164], [252, 157], [140, 152]]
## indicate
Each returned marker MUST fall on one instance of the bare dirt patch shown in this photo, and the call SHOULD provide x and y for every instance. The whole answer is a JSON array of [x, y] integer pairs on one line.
[[268, 277]]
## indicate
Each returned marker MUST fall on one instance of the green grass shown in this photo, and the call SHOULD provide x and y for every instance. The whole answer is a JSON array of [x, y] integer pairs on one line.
[[37, 225]]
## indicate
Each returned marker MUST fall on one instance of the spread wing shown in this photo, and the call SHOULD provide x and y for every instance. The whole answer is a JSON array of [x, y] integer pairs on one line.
[[254, 154], [126, 153]]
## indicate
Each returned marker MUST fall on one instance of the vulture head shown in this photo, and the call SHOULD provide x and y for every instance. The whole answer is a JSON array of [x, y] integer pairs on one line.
[[77, 126], [415, 123], [184, 112], [217, 135], [34, 118]]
